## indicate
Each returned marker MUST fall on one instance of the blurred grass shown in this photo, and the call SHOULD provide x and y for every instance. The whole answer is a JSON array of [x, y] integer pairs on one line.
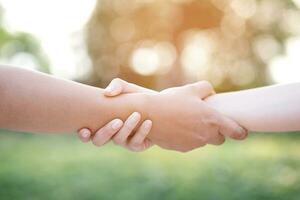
[[60, 167]]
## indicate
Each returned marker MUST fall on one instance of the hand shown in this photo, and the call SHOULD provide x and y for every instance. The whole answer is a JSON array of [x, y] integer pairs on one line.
[[219, 125], [183, 121], [122, 134]]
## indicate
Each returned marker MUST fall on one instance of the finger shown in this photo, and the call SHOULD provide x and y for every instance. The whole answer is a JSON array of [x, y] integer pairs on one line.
[[217, 140], [104, 134], [84, 135], [137, 141], [114, 88], [187, 149], [202, 88], [126, 130], [148, 143], [118, 86], [231, 129]]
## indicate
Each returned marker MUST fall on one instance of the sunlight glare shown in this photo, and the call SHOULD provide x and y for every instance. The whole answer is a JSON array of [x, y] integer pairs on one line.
[[145, 61], [54, 24], [286, 69]]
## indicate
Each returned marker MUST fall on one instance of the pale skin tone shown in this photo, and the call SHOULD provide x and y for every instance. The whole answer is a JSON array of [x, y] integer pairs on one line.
[[118, 86], [267, 109], [36, 102]]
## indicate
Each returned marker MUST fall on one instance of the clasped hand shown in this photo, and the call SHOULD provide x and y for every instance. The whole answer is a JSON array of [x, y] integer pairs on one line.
[[176, 119]]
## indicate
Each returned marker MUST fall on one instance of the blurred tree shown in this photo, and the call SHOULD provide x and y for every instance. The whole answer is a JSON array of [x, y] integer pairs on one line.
[[21, 46], [165, 43]]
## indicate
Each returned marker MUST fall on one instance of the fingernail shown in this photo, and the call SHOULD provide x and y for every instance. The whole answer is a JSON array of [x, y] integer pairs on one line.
[[148, 124], [242, 133], [110, 88], [134, 116], [85, 133], [116, 124]]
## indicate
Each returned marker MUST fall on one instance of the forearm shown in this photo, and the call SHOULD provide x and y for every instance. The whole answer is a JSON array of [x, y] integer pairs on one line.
[[274, 108], [36, 102]]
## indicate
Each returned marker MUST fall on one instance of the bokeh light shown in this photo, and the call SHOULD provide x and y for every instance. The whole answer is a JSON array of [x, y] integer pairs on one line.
[[196, 53], [122, 29], [190, 40], [59, 29], [145, 61], [266, 47], [285, 68], [234, 44]]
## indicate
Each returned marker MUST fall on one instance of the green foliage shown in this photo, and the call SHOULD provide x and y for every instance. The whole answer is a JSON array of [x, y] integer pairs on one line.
[[19, 42], [60, 167]]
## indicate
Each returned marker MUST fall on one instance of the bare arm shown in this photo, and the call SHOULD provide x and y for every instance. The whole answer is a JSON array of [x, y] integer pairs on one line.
[[36, 102], [273, 108], [181, 120]]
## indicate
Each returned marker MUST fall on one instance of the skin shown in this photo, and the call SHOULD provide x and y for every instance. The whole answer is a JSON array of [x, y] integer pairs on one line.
[[266, 109], [274, 108], [139, 141], [215, 126], [204, 125], [36, 102]]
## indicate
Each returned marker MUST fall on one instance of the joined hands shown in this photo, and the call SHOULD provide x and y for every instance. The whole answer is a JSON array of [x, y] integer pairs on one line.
[[180, 118], [176, 119]]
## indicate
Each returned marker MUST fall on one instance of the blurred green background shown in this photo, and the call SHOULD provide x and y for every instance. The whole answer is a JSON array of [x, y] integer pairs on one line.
[[61, 167], [235, 44]]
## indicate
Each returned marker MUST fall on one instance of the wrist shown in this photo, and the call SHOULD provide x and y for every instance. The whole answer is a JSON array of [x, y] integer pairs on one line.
[[227, 105], [122, 106], [142, 103]]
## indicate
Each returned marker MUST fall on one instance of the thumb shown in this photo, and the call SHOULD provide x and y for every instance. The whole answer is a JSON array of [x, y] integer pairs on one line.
[[118, 86], [203, 89], [114, 88]]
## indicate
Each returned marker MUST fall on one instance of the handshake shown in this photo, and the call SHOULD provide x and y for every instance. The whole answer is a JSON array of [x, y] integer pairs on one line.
[[180, 118]]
